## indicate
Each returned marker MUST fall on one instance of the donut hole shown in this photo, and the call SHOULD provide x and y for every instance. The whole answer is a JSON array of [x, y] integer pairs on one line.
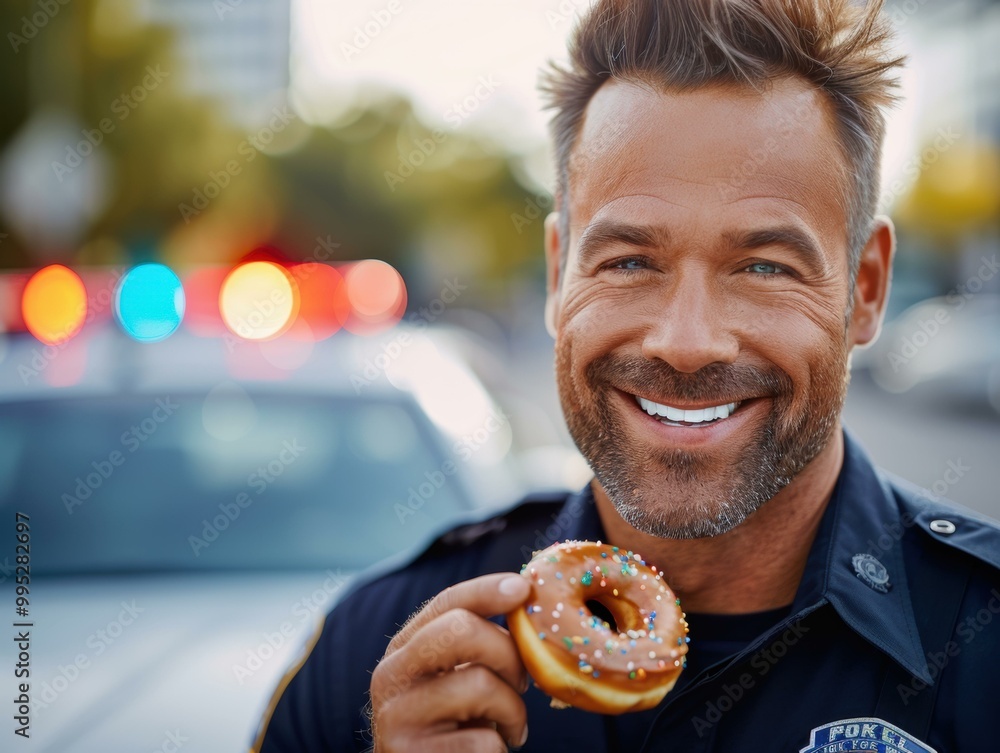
[[600, 611], [620, 613]]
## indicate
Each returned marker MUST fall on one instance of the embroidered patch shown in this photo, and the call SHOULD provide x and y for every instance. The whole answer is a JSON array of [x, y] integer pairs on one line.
[[872, 572], [863, 734]]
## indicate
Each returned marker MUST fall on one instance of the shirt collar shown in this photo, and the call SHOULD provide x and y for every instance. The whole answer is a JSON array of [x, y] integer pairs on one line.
[[863, 580], [846, 567], [584, 522]]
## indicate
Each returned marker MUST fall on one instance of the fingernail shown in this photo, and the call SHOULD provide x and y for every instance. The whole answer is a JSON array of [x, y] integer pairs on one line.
[[525, 684], [524, 737], [512, 586]]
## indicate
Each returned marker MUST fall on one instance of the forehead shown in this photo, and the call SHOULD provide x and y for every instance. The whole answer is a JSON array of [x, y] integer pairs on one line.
[[712, 153]]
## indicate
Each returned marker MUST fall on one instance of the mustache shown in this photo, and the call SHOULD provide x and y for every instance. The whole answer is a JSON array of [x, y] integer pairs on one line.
[[715, 383]]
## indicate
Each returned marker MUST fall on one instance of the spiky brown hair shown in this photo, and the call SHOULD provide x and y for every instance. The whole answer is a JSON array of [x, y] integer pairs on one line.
[[840, 47]]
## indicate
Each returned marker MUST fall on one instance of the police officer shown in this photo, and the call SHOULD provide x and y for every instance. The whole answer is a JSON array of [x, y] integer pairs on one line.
[[712, 261]]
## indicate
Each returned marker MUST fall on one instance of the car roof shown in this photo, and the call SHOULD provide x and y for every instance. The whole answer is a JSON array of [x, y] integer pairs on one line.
[[105, 361]]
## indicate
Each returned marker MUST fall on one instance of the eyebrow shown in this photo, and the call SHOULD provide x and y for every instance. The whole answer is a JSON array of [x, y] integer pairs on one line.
[[795, 239], [605, 232]]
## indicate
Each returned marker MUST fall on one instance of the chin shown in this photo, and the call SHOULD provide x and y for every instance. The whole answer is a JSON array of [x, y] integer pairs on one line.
[[667, 512]]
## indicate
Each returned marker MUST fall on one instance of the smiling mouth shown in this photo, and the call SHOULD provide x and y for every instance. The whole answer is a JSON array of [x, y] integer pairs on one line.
[[698, 417]]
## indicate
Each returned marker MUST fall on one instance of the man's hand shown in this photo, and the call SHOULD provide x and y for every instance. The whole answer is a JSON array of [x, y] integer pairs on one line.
[[451, 680]]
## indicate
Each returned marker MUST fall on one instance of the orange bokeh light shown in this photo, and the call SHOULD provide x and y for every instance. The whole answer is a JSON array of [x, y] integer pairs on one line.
[[54, 304], [377, 295], [374, 288], [323, 302]]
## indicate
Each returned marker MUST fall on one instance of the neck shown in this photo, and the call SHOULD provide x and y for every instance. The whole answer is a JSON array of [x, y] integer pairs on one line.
[[756, 566]]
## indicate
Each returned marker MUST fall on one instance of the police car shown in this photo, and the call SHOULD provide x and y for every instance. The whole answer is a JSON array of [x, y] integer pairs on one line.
[[196, 505]]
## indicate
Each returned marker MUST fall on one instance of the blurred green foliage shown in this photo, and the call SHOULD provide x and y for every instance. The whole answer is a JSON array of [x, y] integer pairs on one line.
[[310, 189]]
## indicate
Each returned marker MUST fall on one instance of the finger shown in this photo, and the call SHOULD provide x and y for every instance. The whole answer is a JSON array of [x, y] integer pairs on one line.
[[487, 596], [454, 698], [482, 740], [454, 638]]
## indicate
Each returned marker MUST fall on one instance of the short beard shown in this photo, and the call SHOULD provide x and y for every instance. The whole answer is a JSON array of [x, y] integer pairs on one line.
[[646, 490]]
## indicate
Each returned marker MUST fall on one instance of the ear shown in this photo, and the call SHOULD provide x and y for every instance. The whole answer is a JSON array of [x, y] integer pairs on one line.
[[553, 280], [871, 288]]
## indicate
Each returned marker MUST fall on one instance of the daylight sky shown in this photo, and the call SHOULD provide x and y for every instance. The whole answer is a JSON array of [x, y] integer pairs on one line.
[[440, 52]]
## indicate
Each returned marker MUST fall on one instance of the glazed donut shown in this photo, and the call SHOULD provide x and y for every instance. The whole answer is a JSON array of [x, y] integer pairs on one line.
[[578, 658]]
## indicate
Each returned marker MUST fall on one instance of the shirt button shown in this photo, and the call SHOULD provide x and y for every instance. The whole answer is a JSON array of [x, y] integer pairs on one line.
[[945, 527]]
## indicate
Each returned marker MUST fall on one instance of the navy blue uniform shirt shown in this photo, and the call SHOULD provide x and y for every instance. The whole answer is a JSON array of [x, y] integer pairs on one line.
[[891, 644]]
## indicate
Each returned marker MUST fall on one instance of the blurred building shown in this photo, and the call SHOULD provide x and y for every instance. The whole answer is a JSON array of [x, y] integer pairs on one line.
[[235, 52], [942, 177], [954, 45], [976, 36]]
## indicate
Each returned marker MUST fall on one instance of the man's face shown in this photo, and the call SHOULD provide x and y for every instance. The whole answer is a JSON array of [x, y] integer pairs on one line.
[[707, 267]]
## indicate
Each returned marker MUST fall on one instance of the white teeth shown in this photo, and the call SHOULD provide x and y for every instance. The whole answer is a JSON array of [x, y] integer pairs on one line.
[[672, 413], [701, 415]]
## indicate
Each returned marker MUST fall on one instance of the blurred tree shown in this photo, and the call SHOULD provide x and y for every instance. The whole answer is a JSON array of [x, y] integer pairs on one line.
[[113, 82], [184, 184], [434, 203], [14, 94]]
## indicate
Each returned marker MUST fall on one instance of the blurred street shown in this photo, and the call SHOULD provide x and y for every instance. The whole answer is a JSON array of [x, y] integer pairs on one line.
[[916, 439]]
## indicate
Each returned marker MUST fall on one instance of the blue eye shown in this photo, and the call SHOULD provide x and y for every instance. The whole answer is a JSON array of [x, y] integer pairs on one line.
[[763, 268], [632, 263]]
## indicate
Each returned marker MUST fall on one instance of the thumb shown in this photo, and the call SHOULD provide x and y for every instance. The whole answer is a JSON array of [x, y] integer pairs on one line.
[[487, 596]]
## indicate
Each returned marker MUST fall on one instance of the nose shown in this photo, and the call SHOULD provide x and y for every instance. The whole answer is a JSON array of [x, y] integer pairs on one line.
[[689, 328]]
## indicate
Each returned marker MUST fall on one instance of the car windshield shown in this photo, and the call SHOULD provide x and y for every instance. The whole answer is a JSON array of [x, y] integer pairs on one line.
[[233, 481]]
